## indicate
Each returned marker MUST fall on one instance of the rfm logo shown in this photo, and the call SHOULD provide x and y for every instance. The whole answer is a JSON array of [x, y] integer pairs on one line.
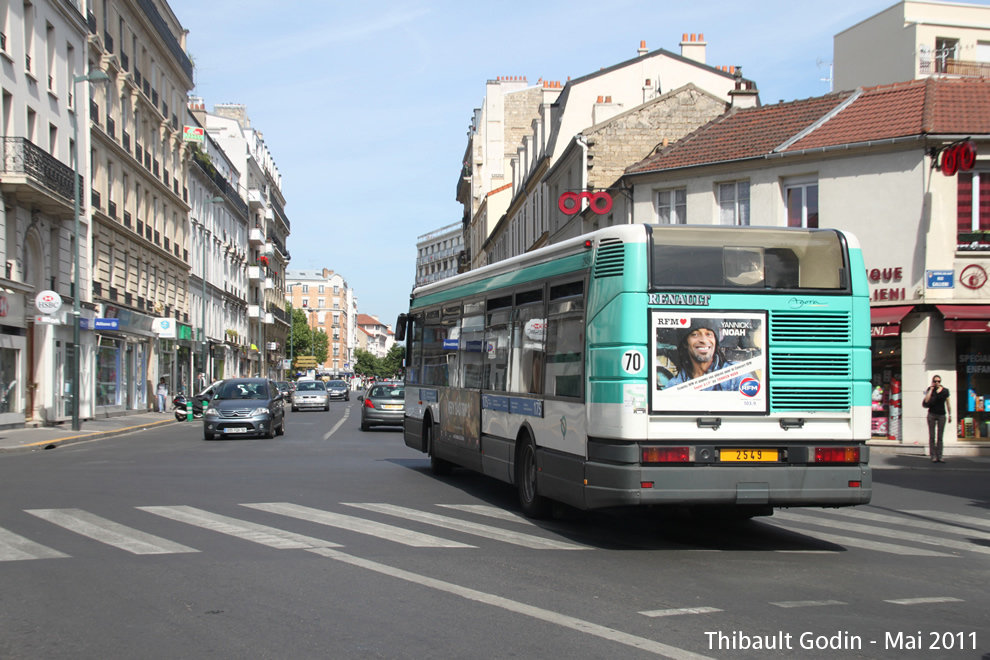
[[749, 386], [600, 202]]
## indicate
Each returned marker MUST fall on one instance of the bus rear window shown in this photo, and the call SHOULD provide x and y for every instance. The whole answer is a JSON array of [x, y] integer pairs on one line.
[[758, 258]]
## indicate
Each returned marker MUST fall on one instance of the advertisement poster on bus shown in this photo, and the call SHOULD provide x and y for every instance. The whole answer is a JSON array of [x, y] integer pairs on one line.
[[460, 417], [708, 362]]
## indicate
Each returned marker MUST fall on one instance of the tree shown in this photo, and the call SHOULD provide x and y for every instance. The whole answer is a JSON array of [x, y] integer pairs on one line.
[[392, 363], [366, 364], [301, 337], [320, 346]]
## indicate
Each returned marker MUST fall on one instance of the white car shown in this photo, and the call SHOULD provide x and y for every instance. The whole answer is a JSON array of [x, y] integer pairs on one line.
[[310, 394]]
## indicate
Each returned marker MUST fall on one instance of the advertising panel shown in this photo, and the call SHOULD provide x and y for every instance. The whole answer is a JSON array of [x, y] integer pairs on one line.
[[460, 417], [708, 361]]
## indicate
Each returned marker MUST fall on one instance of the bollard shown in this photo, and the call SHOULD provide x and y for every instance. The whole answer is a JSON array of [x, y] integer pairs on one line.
[[206, 404], [189, 411]]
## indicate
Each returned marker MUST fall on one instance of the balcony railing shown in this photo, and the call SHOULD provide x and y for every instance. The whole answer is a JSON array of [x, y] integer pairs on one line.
[[112, 208], [111, 127], [124, 62], [21, 156], [108, 41], [279, 313], [95, 199], [127, 219], [942, 63], [125, 139]]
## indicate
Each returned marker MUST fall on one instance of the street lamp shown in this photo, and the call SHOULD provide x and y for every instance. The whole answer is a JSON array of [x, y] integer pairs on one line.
[[92, 76], [206, 232]]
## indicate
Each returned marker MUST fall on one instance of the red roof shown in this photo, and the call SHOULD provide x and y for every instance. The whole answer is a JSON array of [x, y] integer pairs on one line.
[[931, 106]]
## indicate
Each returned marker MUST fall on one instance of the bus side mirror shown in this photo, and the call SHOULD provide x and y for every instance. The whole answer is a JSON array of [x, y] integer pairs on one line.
[[400, 327]]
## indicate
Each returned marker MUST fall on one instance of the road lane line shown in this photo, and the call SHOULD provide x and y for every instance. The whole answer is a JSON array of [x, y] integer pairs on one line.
[[924, 601], [579, 625], [963, 520], [359, 525], [860, 543], [14, 547], [340, 422], [681, 610], [109, 532], [242, 529], [882, 531], [910, 522], [484, 531], [807, 603]]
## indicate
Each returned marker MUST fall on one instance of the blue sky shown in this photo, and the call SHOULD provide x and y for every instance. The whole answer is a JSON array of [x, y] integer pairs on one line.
[[365, 106]]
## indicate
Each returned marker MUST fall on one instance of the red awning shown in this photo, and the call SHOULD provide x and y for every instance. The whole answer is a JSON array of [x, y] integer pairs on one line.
[[966, 318], [886, 321]]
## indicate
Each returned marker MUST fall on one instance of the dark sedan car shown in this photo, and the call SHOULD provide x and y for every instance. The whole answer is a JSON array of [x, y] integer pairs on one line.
[[338, 389], [383, 405], [245, 406]]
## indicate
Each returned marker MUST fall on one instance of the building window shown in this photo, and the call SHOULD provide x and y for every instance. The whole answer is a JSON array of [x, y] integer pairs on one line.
[[320, 301], [305, 288], [801, 199], [733, 203], [322, 287], [973, 210], [945, 53], [672, 207], [305, 302], [336, 290]]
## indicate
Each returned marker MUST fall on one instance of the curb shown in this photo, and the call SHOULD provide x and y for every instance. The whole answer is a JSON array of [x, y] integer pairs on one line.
[[96, 435]]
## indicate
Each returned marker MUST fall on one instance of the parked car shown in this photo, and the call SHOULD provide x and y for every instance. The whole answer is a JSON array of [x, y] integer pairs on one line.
[[245, 406], [383, 404], [310, 394], [285, 388], [338, 389]]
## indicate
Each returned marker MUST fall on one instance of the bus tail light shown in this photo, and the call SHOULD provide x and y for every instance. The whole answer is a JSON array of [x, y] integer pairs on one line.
[[666, 454], [836, 454]]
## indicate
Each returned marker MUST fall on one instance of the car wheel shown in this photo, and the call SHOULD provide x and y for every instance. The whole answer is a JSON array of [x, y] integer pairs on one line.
[[208, 436], [270, 433], [438, 466], [294, 409], [326, 408], [533, 504], [365, 426], [281, 427]]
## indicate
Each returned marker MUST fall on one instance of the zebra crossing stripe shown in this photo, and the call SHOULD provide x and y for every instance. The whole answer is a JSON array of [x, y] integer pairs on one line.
[[681, 610], [16, 548], [807, 603], [955, 517], [109, 532], [490, 512], [269, 536], [909, 522], [881, 531], [484, 531], [861, 543], [359, 525], [924, 601]]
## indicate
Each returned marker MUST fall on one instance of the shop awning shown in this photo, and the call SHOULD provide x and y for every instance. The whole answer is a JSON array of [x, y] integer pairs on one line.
[[886, 321], [966, 318]]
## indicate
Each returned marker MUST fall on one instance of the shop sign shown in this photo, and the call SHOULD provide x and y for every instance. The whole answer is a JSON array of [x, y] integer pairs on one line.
[[973, 277], [48, 302], [893, 330], [939, 279], [164, 328], [106, 324], [185, 331], [886, 276]]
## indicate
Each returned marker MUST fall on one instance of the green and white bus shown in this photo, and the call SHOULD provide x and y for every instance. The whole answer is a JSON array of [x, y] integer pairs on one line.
[[713, 368]]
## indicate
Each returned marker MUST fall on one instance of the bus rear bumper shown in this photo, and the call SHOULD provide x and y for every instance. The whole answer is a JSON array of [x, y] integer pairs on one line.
[[777, 486]]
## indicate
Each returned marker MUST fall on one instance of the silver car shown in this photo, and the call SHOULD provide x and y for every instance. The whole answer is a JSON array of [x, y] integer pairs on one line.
[[338, 389], [383, 405], [245, 406], [310, 394]]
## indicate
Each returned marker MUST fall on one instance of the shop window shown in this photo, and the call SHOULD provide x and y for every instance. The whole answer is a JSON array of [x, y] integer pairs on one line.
[[972, 396], [9, 401], [107, 373], [886, 382]]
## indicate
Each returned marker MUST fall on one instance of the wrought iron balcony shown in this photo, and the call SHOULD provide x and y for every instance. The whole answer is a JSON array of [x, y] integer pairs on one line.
[[108, 41], [21, 156], [124, 61]]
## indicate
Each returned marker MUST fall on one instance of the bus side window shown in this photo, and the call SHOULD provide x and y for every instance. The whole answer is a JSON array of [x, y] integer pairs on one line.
[[528, 333], [472, 341], [565, 341], [495, 373], [434, 360]]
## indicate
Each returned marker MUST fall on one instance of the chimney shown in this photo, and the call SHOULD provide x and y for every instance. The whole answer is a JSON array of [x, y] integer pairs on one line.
[[642, 48], [745, 94], [693, 48]]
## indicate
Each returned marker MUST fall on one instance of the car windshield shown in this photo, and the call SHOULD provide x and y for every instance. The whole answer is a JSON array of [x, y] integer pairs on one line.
[[310, 386], [249, 390], [283, 385], [336, 383], [383, 392]]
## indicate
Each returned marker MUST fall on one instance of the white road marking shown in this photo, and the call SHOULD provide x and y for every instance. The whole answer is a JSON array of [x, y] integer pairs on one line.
[[681, 610], [269, 536], [109, 532], [924, 601], [807, 603], [862, 543], [340, 422], [484, 531], [490, 512], [963, 520], [14, 547], [882, 531], [910, 522], [359, 525], [579, 625]]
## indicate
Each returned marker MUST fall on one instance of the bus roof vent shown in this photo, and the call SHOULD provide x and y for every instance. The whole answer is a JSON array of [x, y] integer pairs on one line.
[[610, 259]]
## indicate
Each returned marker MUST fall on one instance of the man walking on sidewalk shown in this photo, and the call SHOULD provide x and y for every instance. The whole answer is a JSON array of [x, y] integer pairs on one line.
[[937, 402]]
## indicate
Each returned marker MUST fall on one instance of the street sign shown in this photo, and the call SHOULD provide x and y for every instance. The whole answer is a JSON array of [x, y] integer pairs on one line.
[[305, 361]]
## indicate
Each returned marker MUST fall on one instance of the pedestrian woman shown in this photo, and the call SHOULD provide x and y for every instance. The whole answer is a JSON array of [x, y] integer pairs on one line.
[[937, 402], [162, 392]]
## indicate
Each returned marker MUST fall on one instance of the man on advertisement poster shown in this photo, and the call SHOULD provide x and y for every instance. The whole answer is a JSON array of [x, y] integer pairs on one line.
[[699, 353]]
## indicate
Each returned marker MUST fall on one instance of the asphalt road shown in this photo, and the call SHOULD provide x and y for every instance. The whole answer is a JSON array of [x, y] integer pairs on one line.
[[333, 543]]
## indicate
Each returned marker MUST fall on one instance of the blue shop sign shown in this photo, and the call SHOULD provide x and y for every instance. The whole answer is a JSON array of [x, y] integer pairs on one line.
[[939, 279], [106, 324]]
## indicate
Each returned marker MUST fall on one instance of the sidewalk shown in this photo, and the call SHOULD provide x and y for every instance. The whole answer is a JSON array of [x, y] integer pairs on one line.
[[50, 437]]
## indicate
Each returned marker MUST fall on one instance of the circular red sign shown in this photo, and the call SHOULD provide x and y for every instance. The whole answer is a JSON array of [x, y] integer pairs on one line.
[[973, 277]]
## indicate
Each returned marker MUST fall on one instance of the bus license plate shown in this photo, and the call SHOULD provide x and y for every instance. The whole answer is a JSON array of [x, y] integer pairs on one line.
[[748, 455]]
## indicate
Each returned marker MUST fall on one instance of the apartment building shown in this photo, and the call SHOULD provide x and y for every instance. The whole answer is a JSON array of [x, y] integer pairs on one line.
[[378, 337], [268, 232], [44, 49], [440, 254], [218, 281], [331, 306]]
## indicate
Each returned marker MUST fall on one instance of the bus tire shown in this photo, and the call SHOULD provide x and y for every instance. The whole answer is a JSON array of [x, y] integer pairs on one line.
[[532, 503], [438, 466]]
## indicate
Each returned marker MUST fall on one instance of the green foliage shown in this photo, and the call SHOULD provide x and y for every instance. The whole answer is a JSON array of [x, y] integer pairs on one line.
[[366, 364], [369, 365], [301, 337], [392, 364], [321, 345]]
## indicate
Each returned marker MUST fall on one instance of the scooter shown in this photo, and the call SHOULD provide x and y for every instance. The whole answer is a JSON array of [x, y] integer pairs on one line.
[[180, 406]]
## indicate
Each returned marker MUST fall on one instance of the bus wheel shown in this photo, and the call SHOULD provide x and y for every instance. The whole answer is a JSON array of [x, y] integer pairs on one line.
[[533, 504], [438, 466]]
